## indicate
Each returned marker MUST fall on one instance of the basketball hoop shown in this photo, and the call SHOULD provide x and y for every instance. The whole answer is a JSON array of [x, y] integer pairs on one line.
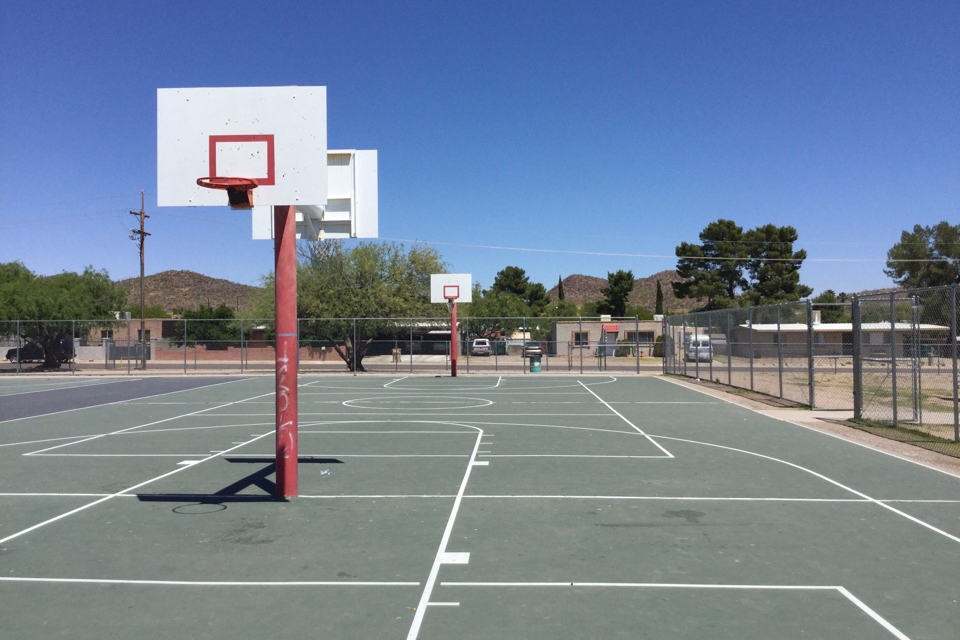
[[239, 190]]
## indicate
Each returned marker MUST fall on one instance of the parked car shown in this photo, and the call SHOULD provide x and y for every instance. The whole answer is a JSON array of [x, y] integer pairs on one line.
[[30, 352], [480, 347], [698, 349], [33, 352], [532, 348]]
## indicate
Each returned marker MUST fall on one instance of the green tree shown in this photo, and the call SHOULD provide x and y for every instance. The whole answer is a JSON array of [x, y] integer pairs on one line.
[[349, 297], [494, 313], [639, 312], [616, 293], [658, 310], [213, 326], [730, 267], [926, 257], [149, 311], [712, 270], [514, 280], [560, 294], [55, 308], [560, 309], [773, 266], [831, 306]]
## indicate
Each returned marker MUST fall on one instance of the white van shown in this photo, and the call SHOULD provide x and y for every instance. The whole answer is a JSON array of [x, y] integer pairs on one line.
[[698, 349]]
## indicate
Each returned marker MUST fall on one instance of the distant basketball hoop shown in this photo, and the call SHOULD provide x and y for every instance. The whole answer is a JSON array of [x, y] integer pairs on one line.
[[239, 190]]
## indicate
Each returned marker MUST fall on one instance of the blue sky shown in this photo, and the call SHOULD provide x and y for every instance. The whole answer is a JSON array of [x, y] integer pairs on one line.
[[561, 137]]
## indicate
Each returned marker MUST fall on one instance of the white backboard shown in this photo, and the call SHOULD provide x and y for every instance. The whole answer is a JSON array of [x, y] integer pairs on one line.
[[443, 285], [275, 135], [352, 207]]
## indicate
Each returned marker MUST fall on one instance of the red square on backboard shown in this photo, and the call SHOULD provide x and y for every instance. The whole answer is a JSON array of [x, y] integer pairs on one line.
[[451, 291], [269, 177]]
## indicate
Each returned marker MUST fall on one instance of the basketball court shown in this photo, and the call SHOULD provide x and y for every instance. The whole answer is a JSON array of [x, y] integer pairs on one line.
[[471, 507]]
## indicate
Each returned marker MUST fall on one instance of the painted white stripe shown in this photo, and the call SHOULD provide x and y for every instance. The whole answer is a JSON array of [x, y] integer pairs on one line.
[[573, 455], [453, 557], [873, 614], [826, 479], [648, 585], [148, 424], [113, 495], [809, 428], [132, 400], [211, 583], [444, 540], [659, 585], [621, 416]]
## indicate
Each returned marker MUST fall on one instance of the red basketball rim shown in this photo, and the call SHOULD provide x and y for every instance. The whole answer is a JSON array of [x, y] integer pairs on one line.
[[223, 182]]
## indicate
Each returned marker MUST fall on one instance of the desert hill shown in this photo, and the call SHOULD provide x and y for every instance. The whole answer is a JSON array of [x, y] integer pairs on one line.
[[579, 289], [188, 290]]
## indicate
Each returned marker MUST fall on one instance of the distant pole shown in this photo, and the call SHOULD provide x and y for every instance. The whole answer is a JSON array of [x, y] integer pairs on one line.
[[139, 235], [287, 350], [454, 346]]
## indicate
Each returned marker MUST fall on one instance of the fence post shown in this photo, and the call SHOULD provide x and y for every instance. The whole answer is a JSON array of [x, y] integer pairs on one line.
[[73, 346], [857, 358], [750, 335], [779, 351], [580, 346], [242, 345], [729, 348], [184, 346], [636, 338], [811, 370], [893, 355], [953, 348]]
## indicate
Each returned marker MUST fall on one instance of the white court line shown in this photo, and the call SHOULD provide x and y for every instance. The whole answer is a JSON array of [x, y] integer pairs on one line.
[[445, 496], [129, 401], [137, 486], [26, 442], [442, 553], [879, 503], [211, 583], [729, 587], [815, 430], [148, 424], [573, 455], [635, 427], [120, 493], [61, 388]]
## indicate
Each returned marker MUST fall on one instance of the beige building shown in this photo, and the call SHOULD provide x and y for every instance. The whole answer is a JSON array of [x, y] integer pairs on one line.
[[610, 338]]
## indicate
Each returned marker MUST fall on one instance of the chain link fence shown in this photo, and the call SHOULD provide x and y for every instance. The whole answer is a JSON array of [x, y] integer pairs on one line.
[[401, 345], [890, 358], [905, 347]]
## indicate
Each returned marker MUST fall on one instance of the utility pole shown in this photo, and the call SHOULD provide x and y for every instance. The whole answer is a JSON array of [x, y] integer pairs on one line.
[[138, 236]]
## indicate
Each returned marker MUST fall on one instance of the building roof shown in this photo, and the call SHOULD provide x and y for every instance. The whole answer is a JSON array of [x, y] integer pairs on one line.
[[843, 327]]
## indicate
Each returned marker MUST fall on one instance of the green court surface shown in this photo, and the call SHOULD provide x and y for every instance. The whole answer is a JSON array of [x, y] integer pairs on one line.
[[545, 508]]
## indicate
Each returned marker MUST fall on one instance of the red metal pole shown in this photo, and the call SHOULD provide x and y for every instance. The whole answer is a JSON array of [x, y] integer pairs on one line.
[[284, 248], [453, 340]]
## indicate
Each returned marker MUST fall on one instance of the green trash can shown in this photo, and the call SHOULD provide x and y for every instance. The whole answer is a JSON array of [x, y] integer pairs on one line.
[[534, 364]]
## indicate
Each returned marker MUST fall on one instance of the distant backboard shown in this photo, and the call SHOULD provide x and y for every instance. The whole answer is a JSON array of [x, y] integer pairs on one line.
[[451, 287], [352, 207], [275, 135]]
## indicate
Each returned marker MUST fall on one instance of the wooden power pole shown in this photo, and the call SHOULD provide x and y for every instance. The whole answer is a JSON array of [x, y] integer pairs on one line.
[[138, 236]]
